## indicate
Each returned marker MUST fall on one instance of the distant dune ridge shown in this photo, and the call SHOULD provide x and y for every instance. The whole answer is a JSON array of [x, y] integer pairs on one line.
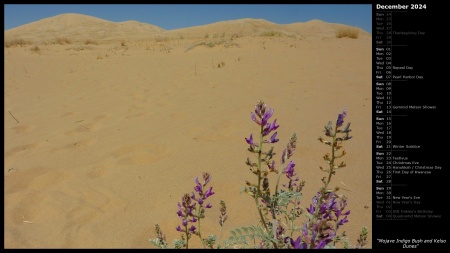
[[106, 125], [69, 26]]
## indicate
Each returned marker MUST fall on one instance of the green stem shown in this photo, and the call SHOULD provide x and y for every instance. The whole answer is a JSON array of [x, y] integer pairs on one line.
[[332, 161], [199, 229], [186, 231], [258, 191], [187, 238], [220, 235], [278, 181], [292, 227], [330, 173], [293, 216]]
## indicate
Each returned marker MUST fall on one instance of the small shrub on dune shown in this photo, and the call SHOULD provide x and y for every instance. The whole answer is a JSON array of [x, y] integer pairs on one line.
[[90, 42], [349, 32], [16, 42], [276, 225], [35, 49], [272, 33], [212, 43], [162, 39], [63, 40]]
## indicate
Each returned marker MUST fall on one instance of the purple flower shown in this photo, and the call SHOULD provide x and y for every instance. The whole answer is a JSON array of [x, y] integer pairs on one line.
[[340, 119], [208, 193], [201, 196], [273, 138], [198, 188], [263, 112], [267, 114], [252, 115], [185, 209], [297, 244], [341, 222], [270, 127], [273, 126], [250, 140], [321, 245], [290, 169], [321, 230]]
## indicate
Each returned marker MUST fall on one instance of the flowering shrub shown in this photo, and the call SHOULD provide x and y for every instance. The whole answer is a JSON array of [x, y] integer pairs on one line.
[[278, 212]]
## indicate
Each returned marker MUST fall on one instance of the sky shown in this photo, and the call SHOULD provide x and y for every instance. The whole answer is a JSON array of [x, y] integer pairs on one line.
[[175, 16]]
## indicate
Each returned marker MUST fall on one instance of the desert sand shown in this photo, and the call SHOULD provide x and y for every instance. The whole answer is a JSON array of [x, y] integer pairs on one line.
[[108, 124]]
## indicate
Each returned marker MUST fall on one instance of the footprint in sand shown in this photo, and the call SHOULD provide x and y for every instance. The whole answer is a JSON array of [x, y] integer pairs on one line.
[[22, 129], [136, 111], [25, 206], [179, 115], [224, 130], [88, 127], [22, 148], [67, 114], [84, 128], [87, 204], [101, 170], [139, 154], [137, 115], [102, 117], [38, 178], [139, 97], [77, 145]]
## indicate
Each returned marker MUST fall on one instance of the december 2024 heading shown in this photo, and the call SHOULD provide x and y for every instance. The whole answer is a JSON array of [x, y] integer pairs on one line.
[[401, 6]]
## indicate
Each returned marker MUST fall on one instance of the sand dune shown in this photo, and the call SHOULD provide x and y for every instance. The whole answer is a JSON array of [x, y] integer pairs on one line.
[[78, 28], [102, 139]]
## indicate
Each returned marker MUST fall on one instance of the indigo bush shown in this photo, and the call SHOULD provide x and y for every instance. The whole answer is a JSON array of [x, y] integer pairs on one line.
[[278, 212]]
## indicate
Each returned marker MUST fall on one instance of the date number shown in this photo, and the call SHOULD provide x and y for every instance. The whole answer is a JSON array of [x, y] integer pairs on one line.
[[418, 6]]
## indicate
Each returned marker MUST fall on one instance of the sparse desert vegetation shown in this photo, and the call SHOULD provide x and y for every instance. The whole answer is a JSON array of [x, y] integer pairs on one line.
[[271, 33], [63, 40], [162, 39], [212, 43], [79, 48], [17, 43], [90, 42], [349, 32], [35, 49]]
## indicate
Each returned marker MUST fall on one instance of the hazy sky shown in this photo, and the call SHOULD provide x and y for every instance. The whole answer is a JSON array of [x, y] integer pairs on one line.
[[174, 16]]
